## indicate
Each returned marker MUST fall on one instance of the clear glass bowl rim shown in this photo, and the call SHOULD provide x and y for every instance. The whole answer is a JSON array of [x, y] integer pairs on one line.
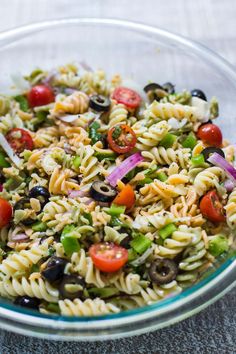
[[150, 317]]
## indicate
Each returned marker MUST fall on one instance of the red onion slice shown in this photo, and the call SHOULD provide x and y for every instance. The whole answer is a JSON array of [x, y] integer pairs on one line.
[[127, 165], [219, 161]]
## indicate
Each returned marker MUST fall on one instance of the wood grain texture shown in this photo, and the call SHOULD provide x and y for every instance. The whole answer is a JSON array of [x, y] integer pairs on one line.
[[211, 22]]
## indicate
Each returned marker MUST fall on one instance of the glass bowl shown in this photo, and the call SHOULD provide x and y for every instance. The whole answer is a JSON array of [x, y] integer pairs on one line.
[[141, 53]]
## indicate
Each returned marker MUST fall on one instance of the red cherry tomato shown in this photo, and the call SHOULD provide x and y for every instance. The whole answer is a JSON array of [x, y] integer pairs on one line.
[[40, 95], [19, 139], [211, 207], [128, 97], [121, 138], [5, 212], [210, 134], [108, 257], [125, 197]]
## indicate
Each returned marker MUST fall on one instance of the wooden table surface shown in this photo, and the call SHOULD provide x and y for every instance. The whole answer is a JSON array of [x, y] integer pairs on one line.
[[212, 22]]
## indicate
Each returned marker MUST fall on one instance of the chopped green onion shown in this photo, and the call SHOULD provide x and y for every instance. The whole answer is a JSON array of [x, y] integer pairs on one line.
[[77, 162], [93, 132], [167, 141], [198, 160], [190, 141], [3, 161], [51, 251], [23, 102], [140, 243], [34, 268], [88, 217], [103, 292], [103, 155], [69, 240], [132, 255], [53, 307], [145, 181], [39, 226], [115, 221], [116, 210], [131, 174], [150, 171], [167, 231], [218, 245], [161, 176], [41, 116]]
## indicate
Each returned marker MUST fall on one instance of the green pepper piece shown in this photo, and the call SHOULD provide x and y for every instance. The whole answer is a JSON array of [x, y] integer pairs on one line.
[[39, 226], [218, 245], [190, 141], [103, 292], [77, 161], [161, 176], [167, 231], [69, 240], [198, 160], [116, 210], [140, 243], [168, 140], [3, 161]]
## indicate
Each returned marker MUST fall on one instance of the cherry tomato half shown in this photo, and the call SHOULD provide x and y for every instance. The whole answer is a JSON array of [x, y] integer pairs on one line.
[[128, 97], [210, 134], [121, 138], [5, 212], [108, 257], [40, 95], [125, 197], [211, 207], [19, 139]]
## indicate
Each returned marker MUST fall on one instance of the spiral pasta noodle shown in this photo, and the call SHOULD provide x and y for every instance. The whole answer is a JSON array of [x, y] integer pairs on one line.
[[74, 104], [207, 179], [164, 156], [86, 308], [33, 288], [231, 210]]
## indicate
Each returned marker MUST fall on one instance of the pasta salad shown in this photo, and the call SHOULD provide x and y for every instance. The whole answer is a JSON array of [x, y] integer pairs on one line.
[[111, 197]]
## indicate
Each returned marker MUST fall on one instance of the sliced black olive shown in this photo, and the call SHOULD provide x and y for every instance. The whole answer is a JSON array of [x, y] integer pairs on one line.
[[71, 287], [54, 269], [102, 192], [169, 87], [163, 271], [207, 152], [27, 301], [126, 241], [198, 93], [2, 178], [99, 103], [152, 87], [41, 193], [23, 203]]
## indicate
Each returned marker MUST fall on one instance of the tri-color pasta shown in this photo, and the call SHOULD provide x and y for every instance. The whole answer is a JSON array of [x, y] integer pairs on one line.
[[108, 200]]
